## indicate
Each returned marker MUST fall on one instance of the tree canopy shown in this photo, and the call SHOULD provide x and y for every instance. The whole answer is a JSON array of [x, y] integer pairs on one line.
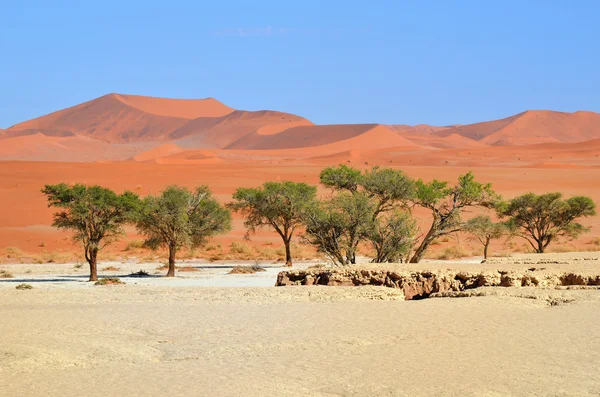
[[95, 214], [541, 219], [485, 230], [446, 204], [179, 217], [279, 205]]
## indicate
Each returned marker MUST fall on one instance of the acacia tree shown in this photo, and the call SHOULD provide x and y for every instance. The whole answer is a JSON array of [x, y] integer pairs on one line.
[[446, 204], [179, 217], [392, 236], [279, 205], [95, 214], [544, 218], [485, 230], [338, 225]]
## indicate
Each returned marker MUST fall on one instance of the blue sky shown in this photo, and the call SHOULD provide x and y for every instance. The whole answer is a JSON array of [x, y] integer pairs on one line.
[[403, 62]]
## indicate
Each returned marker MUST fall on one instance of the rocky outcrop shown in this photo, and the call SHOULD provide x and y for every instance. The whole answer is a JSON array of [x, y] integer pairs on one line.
[[421, 284]]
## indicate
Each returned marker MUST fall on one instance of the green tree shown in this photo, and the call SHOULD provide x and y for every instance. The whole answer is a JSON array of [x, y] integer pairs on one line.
[[343, 222], [95, 214], [541, 219], [446, 204], [279, 205], [179, 217], [392, 236], [485, 230], [336, 227]]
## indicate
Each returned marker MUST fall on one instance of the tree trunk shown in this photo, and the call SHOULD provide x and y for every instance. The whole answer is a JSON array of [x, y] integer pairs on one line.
[[288, 253], [485, 249], [93, 261], [541, 247], [172, 252], [419, 252]]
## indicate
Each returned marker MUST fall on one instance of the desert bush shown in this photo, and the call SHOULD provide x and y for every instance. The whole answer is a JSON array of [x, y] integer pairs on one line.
[[242, 251], [5, 274], [247, 269], [188, 269], [14, 253], [134, 245], [109, 281], [452, 252], [140, 273], [78, 265], [595, 241], [111, 269], [24, 286]]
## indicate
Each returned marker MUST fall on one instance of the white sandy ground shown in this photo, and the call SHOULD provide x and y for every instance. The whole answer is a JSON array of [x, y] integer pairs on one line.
[[69, 338]]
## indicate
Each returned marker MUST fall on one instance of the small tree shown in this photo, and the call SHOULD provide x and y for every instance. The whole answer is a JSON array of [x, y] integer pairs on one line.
[[544, 218], [279, 205], [485, 230], [96, 215], [392, 237], [179, 217], [446, 204], [337, 226]]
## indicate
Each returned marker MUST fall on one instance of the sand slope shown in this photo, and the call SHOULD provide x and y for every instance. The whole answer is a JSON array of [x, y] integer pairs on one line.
[[531, 127]]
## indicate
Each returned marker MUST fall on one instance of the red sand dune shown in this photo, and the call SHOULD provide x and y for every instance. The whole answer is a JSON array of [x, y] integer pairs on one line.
[[184, 108], [531, 127], [158, 152], [223, 132]]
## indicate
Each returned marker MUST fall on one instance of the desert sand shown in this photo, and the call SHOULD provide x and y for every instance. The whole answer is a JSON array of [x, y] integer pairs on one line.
[[71, 338]]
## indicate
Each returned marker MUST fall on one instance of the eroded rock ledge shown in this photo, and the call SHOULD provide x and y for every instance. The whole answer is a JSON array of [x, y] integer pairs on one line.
[[421, 284]]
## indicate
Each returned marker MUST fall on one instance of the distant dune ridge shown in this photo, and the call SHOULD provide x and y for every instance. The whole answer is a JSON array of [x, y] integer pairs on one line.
[[131, 127]]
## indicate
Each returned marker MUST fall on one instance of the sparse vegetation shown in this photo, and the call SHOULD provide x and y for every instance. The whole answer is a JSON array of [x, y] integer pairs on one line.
[[140, 273], [24, 286], [111, 269], [247, 269], [134, 245], [452, 252], [5, 274], [109, 281]]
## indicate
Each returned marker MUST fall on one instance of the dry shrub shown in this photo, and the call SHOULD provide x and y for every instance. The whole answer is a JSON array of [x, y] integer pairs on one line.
[[188, 269], [53, 257], [109, 281], [240, 250], [595, 241], [212, 247], [452, 252], [111, 269], [140, 273], [215, 257], [24, 286], [14, 253], [561, 248], [247, 269], [5, 274], [134, 245]]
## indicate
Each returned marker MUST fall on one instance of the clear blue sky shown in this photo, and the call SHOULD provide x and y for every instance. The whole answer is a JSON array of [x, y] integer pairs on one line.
[[393, 61]]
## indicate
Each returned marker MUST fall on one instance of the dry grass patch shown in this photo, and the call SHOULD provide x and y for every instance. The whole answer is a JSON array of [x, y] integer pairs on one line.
[[5, 274], [24, 286], [109, 281], [452, 252], [247, 269], [134, 245], [188, 269], [14, 253]]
